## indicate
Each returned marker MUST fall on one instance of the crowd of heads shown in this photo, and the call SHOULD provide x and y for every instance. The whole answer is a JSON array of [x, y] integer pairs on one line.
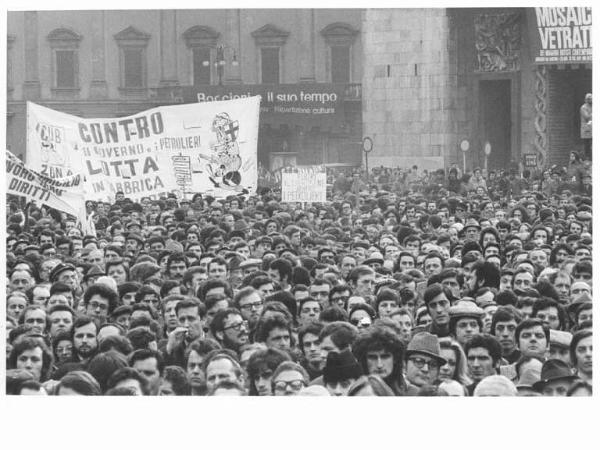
[[405, 283]]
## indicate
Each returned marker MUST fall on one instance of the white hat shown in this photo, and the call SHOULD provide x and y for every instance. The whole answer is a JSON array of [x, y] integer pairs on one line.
[[495, 386]]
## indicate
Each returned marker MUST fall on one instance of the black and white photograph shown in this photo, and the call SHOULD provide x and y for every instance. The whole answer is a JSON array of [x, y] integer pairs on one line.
[[299, 201]]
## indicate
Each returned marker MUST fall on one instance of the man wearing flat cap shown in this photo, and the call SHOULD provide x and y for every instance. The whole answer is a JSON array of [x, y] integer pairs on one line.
[[134, 243], [560, 342], [65, 273], [465, 321]]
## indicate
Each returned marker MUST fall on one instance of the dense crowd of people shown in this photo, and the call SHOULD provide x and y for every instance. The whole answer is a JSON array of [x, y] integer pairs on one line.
[[404, 283]]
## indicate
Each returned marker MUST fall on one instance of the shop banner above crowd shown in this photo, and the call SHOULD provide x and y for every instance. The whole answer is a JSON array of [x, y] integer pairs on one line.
[[203, 147], [310, 104], [306, 184], [64, 194]]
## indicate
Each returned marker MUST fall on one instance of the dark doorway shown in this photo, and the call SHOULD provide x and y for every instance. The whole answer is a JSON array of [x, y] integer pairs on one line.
[[495, 123], [567, 89]]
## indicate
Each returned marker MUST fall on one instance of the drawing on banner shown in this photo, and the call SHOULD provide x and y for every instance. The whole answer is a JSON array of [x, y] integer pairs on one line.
[[183, 172], [224, 162], [208, 147], [52, 154]]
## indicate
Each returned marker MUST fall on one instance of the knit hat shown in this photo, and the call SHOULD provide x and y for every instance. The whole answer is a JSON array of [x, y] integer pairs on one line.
[[341, 366], [470, 246], [308, 262], [545, 213]]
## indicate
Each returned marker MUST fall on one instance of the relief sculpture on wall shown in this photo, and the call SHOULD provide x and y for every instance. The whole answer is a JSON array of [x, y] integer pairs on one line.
[[498, 42]]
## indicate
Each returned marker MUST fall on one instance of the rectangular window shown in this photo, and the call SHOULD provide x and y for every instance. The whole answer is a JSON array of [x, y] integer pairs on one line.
[[201, 61], [65, 69], [270, 65], [133, 68], [340, 64]]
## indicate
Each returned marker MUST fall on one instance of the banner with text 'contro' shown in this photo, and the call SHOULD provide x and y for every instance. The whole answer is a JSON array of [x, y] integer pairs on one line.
[[201, 147]]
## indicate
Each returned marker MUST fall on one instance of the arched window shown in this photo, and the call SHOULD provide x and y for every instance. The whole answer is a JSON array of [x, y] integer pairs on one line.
[[339, 38], [270, 41], [64, 44], [132, 58], [201, 41]]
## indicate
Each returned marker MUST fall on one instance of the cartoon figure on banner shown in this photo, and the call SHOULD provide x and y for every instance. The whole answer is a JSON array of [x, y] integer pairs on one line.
[[50, 137], [224, 162]]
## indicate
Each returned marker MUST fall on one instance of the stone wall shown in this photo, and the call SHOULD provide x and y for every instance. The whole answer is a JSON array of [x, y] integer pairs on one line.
[[408, 95]]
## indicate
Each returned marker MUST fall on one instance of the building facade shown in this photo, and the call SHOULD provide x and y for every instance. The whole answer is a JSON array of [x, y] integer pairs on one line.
[[307, 65], [418, 82], [511, 78]]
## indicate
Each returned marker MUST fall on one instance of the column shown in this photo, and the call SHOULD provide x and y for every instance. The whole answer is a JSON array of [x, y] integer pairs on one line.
[[307, 46], [168, 48], [31, 85], [233, 74], [98, 86]]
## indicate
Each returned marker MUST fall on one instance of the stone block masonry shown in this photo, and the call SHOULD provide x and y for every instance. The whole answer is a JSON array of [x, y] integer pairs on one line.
[[408, 89]]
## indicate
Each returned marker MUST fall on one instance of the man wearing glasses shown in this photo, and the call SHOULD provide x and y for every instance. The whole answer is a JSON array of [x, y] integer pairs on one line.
[[339, 295], [423, 360], [250, 304], [230, 329], [288, 379], [99, 301]]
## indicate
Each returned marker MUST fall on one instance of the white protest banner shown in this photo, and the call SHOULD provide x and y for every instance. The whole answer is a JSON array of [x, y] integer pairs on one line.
[[199, 147], [307, 184], [64, 194]]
